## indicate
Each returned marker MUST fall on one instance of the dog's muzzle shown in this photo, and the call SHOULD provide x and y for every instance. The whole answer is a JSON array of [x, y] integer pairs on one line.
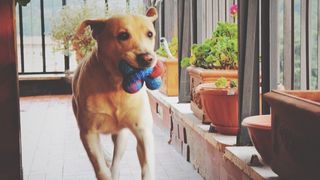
[[145, 60]]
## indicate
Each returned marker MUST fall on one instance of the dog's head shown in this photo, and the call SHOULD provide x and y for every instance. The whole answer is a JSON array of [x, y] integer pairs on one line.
[[126, 37]]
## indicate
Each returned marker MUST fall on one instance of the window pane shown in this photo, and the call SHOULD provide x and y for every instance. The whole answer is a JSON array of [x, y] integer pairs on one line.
[[314, 42], [32, 37], [72, 58], [297, 44], [54, 59], [281, 38]]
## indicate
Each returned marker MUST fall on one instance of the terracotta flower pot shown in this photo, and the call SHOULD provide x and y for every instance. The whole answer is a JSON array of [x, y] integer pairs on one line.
[[221, 106], [259, 128], [295, 133], [199, 76], [170, 84]]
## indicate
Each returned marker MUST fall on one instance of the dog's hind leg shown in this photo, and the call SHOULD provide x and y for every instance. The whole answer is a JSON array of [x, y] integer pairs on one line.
[[92, 145], [145, 150], [120, 144]]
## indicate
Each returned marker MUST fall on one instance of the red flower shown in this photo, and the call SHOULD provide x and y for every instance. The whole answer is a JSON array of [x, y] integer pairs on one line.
[[234, 10]]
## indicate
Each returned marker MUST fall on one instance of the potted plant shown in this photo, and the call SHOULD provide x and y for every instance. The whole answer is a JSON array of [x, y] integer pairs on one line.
[[168, 55], [220, 103], [64, 27], [216, 57], [295, 124]]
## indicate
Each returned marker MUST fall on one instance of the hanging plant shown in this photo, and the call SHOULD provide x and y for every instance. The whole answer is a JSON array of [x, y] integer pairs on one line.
[[23, 2]]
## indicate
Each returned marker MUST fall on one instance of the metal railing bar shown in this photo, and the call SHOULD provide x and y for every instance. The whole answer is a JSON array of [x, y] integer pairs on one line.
[[308, 24], [21, 38], [66, 58], [43, 37], [303, 58]]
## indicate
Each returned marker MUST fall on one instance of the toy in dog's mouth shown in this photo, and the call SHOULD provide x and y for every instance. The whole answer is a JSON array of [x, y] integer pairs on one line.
[[133, 78]]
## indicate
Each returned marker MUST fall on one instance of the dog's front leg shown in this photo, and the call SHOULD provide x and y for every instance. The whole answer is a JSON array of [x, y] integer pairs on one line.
[[145, 152], [91, 142], [120, 142]]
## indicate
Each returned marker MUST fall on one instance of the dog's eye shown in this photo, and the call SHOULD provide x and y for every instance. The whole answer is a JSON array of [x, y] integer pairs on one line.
[[123, 36], [150, 34]]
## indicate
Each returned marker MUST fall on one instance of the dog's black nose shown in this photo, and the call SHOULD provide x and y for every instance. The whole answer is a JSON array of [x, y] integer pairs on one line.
[[145, 59]]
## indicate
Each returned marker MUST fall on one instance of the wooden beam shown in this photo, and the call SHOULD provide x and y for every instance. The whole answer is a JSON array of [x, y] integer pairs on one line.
[[242, 28], [318, 44], [274, 44], [265, 51], [222, 10], [215, 13], [288, 37], [185, 40], [229, 18], [10, 154], [201, 25], [248, 64], [170, 19], [158, 24], [209, 18]]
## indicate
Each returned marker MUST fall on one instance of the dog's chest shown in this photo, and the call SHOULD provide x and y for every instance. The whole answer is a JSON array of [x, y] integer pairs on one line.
[[111, 104], [116, 105]]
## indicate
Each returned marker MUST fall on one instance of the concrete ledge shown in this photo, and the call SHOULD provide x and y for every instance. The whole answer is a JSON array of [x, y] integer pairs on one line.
[[214, 155], [183, 111], [241, 156], [50, 84], [219, 141], [169, 101], [41, 77]]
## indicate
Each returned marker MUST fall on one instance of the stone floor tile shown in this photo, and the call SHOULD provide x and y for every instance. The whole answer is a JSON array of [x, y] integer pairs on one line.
[[52, 150], [37, 176]]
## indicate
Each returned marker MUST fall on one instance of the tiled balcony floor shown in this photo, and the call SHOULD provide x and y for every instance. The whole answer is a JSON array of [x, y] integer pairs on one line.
[[52, 150]]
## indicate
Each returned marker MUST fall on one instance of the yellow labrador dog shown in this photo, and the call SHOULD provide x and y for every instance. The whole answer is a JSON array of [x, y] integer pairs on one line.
[[100, 104]]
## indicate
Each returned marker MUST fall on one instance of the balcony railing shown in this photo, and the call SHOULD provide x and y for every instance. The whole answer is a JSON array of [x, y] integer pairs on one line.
[[35, 48]]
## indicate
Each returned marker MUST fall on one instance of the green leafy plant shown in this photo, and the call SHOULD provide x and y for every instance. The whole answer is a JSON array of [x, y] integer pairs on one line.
[[173, 47], [221, 82], [224, 83], [64, 27], [233, 83], [218, 52]]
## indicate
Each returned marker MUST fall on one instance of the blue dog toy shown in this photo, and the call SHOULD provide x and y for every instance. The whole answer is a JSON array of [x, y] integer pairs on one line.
[[133, 79]]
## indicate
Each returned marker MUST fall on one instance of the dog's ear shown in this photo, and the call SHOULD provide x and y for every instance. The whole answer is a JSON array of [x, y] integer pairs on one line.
[[95, 25], [152, 13]]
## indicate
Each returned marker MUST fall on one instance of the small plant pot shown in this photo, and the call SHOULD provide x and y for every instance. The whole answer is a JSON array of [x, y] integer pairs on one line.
[[221, 106], [199, 76], [295, 133], [259, 128], [170, 85]]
